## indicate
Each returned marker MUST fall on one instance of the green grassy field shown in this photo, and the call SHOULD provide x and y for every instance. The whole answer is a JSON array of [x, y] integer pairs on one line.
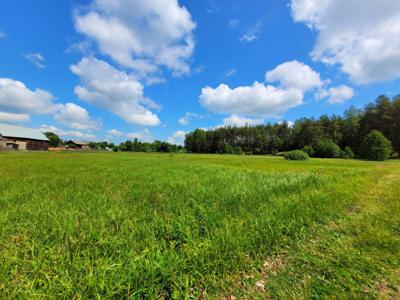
[[112, 225]]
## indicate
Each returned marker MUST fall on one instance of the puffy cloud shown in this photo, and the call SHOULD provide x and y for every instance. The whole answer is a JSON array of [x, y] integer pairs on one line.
[[114, 132], [340, 94], [15, 97], [75, 117], [13, 118], [141, 34], [37, 59], [67, 133], [104, 86], [257, 100], [362, 36], [144, 135], [235, 120], [177, 138], [185, 120], [261, 101], [294, 74], [19, 101]]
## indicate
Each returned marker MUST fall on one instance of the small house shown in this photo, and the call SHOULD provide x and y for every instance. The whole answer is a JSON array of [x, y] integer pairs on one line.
[[21, 138], [77, 145]]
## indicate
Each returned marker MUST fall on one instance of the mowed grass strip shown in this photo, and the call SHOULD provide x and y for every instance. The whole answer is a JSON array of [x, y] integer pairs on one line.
[[112, 225], [354, 256], [357, 256]]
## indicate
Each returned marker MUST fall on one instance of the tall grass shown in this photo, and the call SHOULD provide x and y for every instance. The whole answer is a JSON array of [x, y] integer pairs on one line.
[[149, 226]]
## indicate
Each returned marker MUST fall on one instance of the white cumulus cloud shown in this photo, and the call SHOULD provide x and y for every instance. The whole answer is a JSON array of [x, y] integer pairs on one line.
[[140, 34], [104, 86], [177, 138], [235, 120], [289, 82], [144, 135], [15, 97], [294, 74], [340, 94], [13, 118], [257, 100], [114, 133], [75, 117], [361, 36]]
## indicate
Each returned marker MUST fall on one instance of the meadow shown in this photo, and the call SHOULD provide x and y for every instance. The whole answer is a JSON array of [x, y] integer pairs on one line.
[[180, 226]]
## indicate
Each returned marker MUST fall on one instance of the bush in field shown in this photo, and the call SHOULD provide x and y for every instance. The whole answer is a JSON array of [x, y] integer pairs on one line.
[[347, 153], [228, 149], [296, 155], [309, 150], [327, 149], [237, 150], [376, 147]]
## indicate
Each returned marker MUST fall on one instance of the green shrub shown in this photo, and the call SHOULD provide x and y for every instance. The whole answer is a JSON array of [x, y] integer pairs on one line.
[[376, 146], [327, 149], [296, 155], [228, 149], [237, 150], [309, 150], [347, 153]]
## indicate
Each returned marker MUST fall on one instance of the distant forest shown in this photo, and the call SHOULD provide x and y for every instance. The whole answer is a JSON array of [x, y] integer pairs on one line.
[[347, 131]]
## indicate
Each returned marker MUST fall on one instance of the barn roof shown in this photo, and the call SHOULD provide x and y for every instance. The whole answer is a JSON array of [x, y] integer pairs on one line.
[[79, 143], [22, 132]]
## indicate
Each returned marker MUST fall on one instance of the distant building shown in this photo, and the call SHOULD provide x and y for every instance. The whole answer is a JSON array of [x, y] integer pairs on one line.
[[21, 138], [78, 145]]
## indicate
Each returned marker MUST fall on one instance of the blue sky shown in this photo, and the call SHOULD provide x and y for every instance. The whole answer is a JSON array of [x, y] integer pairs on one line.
[[156, 69]]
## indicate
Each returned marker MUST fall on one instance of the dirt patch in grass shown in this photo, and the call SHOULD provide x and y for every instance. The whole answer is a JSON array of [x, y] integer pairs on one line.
[[255, 284], [387, 292], [273, 265]]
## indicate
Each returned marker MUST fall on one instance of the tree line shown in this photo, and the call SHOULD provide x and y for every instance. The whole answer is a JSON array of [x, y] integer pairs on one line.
[[344, 135], [127, 146], [138, 146]]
